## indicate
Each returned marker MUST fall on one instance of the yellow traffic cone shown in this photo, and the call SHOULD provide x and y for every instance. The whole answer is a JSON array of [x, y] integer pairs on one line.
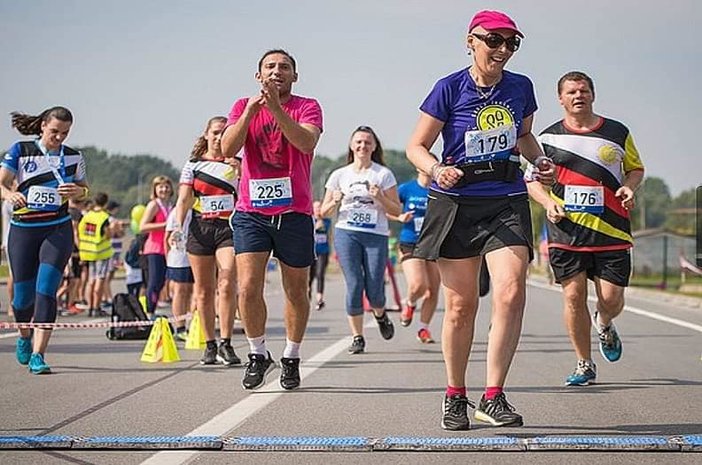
[[160, 347], [196, 336], [170, 351], [153, 350]]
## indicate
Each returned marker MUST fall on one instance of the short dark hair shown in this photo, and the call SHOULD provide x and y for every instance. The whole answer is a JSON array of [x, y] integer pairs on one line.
[[101, 199], [273, 52], [576, 76]]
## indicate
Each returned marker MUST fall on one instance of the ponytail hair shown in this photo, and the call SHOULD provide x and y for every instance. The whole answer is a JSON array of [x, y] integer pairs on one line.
[[200, 147], [29, 125]]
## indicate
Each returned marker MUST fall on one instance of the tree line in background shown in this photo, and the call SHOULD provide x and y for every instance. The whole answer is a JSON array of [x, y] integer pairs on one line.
[[127, 179]]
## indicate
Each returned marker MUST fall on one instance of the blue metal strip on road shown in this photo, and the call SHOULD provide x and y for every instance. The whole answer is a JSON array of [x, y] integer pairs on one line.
[[602, 443], [449, 443], [302, 443], [36, 442], [148, 442], [682, 443]]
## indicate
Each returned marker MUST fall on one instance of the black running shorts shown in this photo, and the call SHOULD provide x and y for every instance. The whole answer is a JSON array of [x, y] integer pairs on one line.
[[613, 266], [465, 227]]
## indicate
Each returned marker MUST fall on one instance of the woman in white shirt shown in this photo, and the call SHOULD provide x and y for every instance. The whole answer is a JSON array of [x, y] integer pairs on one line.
[[364, 191]]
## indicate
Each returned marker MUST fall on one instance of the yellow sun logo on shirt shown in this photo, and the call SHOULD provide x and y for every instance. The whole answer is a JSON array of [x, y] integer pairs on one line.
[[229, 174], [609, 154], [493, 116]]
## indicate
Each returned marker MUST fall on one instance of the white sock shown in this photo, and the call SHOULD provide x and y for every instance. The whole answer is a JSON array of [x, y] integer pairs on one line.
[[257, 345], [292, 349], [423, 326]]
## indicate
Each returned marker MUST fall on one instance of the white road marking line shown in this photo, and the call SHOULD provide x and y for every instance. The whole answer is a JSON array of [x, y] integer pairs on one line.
[[637, 311], [235, 415]]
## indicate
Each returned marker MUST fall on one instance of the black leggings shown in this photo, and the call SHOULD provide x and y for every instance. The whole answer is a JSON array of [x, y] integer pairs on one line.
[[318, 271], [38, 257]]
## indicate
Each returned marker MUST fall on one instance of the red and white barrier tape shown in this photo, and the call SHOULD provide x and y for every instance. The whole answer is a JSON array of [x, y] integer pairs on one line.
[[87, 325]]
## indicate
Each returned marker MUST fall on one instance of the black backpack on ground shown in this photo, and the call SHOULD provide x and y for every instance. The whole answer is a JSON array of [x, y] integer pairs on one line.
[[126, 307]]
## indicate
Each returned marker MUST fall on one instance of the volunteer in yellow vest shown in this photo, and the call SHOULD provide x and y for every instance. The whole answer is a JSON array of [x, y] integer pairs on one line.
[[96, 249]]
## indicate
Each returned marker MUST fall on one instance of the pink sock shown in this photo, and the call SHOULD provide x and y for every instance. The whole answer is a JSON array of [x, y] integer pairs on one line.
[[492, 391], [455, 391]]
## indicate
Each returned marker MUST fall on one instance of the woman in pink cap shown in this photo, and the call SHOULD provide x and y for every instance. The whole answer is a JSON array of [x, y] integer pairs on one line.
[[478, 207]]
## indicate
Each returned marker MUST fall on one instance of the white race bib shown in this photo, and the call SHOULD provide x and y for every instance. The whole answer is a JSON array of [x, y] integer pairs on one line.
[[362, 217], [214, 206], [266, 193], [418, 222], [484, 145], [43, 198], [588, 199]]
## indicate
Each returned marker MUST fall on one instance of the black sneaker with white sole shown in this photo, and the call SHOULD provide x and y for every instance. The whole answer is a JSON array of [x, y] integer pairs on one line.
[[209, 357], [498, 412], [256, 370], [455, 413], [289, 373], [358, 345], [387, 329], [226, 355]]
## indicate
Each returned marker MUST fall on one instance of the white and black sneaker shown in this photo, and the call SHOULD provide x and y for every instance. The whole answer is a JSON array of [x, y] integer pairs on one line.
[[256, 370], [289, 373], [358, 345], [455, 413], [226, 354], [209, 357], [498, 412]]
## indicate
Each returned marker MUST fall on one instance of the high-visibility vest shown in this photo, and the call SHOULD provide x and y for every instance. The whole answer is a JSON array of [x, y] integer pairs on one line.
[[93, 244]]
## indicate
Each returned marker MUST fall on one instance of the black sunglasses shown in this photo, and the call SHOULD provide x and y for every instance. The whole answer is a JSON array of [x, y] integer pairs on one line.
[[495, 40]]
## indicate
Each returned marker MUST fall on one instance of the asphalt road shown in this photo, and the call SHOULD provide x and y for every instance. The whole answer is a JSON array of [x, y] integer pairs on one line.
[[100, 388]]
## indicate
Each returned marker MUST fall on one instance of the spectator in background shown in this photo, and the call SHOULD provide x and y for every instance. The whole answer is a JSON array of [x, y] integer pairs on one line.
[[117, 228], [322, 239], [95, 246], [153, 223]]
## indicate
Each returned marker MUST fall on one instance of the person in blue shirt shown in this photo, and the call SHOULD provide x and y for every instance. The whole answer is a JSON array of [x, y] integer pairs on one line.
[[422, 276], [478, 206], [48, 174], [322, 239]]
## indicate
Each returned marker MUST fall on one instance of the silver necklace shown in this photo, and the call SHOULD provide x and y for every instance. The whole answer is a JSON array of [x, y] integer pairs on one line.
[[483, 94]]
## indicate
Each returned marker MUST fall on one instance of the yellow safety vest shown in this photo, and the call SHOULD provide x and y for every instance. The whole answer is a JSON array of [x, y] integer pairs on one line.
[[93, 244]]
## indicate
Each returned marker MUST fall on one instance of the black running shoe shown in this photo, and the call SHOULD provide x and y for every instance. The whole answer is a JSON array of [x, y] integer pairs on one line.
[[498, 412], [455, 413], [256, 370], [358, 345], [226, 355], [210, 356], [289, 373], [387, 329]]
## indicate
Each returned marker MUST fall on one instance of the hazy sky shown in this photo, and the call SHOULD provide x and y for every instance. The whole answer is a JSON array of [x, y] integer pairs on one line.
[[143, 76]]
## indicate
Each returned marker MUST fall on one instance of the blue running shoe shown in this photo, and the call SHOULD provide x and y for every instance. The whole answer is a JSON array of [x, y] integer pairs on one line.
[[610, 343], [584, 374], [23, 351], [37, 365]]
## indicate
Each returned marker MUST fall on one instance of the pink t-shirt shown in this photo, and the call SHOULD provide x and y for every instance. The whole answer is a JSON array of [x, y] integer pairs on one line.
[[154, 242], [275, 176]]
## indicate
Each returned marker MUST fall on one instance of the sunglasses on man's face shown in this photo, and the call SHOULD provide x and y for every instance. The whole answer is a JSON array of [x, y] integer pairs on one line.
[[495, 40]]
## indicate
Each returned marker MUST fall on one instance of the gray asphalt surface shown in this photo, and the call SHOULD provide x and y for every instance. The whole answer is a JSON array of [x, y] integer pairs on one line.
[[100, 388]]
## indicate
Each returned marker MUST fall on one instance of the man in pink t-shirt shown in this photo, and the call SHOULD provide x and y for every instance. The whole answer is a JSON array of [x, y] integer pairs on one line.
[[278, 132]]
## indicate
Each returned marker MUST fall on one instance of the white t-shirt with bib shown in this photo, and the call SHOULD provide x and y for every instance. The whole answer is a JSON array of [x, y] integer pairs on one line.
[[178, 258], [358, 210]]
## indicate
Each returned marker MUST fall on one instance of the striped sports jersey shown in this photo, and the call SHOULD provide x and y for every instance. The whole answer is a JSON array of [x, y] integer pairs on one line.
[[214, 185], [36, 173], [591, 166]]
